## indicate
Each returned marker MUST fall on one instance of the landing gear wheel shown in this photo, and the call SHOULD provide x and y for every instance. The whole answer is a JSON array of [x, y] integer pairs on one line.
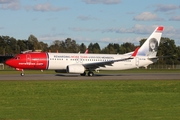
[[90, 73], [83, 74], [22, 74]]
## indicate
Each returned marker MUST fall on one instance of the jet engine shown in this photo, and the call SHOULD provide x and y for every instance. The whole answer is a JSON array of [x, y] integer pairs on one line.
[[60, 71], [75, 68]]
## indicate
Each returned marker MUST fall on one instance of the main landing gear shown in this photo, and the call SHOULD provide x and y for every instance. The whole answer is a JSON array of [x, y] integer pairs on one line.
[[90, 73]]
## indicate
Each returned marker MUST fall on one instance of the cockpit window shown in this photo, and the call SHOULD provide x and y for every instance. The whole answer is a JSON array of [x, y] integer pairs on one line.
[[17, 58]]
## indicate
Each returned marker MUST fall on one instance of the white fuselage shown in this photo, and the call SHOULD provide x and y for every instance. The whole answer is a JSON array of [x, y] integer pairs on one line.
[[60, 61]]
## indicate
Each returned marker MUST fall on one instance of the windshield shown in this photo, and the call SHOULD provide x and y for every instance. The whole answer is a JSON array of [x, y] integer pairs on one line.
[[17, 57]]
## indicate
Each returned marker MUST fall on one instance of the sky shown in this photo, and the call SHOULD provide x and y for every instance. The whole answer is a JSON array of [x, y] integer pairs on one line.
[[89, 21]]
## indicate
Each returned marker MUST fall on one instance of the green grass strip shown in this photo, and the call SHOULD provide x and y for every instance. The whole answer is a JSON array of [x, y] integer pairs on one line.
[[90, 100]]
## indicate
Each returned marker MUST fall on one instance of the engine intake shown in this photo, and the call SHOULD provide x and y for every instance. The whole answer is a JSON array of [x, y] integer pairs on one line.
[[75, 68]]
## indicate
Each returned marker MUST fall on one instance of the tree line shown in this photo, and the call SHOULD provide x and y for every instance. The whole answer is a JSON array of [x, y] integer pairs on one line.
[[168, 52]]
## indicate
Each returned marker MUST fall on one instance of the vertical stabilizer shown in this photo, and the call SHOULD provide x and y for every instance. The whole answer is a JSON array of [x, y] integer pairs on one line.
[[150, 46]]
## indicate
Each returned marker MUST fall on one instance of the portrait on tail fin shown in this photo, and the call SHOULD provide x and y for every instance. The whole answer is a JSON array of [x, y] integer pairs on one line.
[[150, 46], [153, 47]]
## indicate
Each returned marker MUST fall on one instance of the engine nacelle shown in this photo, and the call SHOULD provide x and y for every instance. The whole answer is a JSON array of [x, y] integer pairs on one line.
[[75, 68], [60, 71]]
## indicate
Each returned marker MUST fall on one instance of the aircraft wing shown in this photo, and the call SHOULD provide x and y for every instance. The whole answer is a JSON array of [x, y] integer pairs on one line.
[[103, 63], [109, 63]]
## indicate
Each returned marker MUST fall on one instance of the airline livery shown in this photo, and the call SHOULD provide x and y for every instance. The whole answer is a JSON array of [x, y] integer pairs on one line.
[[81, 63]]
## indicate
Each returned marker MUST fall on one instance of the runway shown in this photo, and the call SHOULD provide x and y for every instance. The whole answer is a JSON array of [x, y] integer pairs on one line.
[[123, 76]]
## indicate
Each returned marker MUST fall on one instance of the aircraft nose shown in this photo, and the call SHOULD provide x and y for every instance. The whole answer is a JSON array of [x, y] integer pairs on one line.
[[9, 62]]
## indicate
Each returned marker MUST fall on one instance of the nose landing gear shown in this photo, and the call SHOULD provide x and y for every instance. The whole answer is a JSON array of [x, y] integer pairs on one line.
[[22, 72]]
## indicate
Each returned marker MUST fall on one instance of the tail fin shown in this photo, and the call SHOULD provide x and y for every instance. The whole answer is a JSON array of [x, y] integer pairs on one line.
[[150, 46]]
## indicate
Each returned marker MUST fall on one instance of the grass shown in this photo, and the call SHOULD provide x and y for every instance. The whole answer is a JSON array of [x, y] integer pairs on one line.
[[90, 100]]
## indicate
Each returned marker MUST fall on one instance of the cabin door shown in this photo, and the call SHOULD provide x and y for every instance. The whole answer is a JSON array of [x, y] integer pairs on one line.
[[137, 62], [28, 58]]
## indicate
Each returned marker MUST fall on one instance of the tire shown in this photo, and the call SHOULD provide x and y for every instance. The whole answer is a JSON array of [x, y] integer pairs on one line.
[[90, 74], [22, 74]]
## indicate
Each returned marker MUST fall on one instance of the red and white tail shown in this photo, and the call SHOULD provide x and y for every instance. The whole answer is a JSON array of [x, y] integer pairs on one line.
[[150, 46]]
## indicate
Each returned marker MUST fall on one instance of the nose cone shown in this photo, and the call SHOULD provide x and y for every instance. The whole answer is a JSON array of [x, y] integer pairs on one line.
[[9, 62]]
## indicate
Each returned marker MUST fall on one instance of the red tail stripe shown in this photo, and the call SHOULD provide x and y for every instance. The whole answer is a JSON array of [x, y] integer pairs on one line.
[[135, 52], [160, 28]]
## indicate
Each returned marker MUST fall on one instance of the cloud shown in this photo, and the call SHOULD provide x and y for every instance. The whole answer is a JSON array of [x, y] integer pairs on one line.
[[51, 37], [84, 18], [16, 5], [175, 18], [83, 39], [47, 7], [166, 8], [147, 16], [27, 7], [102, 1], [78, 29], [6, 1], [143, 30], [136, 29], [121, 40], [171, 32], [10, 4]]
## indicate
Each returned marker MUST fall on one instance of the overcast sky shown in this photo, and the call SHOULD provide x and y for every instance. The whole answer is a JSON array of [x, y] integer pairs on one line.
[[86, 21]]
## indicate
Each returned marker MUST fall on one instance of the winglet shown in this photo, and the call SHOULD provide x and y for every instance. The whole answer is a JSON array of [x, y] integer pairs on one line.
[[135, 52], [86, 52]]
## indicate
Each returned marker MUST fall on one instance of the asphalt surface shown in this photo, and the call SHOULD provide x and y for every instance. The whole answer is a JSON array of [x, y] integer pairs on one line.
[[123, 76]]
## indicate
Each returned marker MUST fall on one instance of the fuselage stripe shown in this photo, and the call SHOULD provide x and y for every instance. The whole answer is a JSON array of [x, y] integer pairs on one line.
[[47, 60]]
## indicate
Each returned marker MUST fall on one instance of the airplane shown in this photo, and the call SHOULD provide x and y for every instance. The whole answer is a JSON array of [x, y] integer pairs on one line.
[[81, 63]]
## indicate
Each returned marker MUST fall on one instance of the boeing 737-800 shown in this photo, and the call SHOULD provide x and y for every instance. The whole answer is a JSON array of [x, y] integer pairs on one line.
[[80, 63]]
